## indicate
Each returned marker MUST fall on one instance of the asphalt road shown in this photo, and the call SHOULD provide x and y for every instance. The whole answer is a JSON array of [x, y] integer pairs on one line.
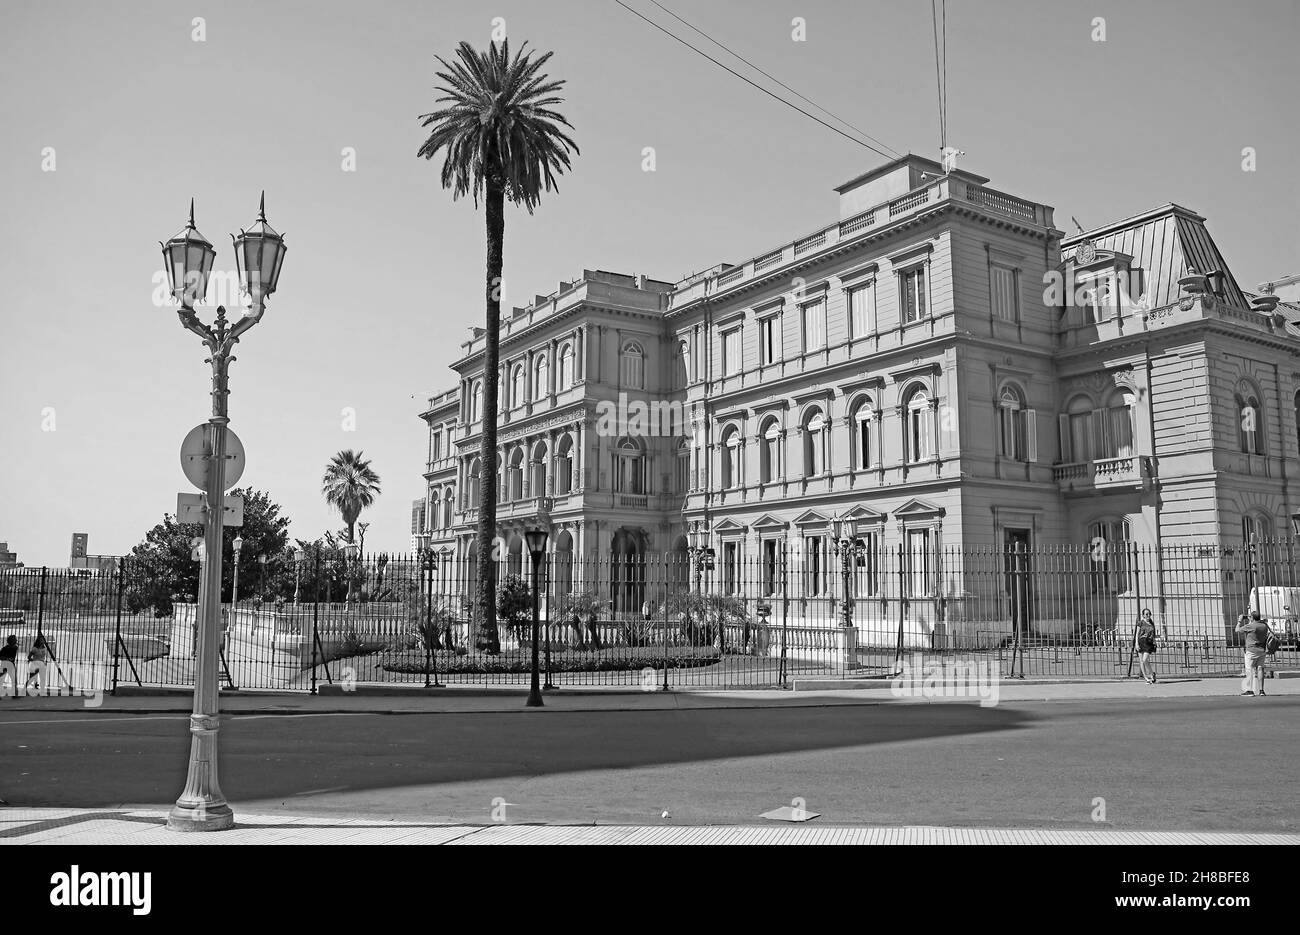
[[1178, 764]]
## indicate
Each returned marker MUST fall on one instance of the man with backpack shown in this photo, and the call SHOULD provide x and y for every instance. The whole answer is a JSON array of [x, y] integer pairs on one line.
[[1258, 640]]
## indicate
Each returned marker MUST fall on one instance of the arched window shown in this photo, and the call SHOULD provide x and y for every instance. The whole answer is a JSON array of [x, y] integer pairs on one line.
[[1297, 415], [564, 378], [537, 471], [475, 472], [515, 475], [683, 465], [448, 505], [814, 443], [1012, 442], [541, 375], [629, 467], [1109, 545], [731, 457], [683, 366], [517, 385], [476, 401], [564, 466], [862, 427], [769, 467], [918, 420], [632, 366], [1250, 423], [1255, 525]]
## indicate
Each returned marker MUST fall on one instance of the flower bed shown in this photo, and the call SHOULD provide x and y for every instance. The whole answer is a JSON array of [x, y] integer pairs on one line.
[[619, 658]]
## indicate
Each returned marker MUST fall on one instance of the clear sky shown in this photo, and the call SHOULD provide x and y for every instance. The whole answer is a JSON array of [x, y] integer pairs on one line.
[[384, 272]]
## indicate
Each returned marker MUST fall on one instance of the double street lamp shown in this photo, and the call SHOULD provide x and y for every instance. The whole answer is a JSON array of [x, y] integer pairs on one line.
[[849, 548], [188, 256], [537, 551]]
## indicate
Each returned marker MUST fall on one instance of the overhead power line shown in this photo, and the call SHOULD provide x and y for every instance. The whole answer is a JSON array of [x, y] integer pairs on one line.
[[771, 77], [748, 81]]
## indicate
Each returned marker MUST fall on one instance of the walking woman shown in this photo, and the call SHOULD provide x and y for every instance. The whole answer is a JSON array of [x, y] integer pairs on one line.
[[1146, 644]]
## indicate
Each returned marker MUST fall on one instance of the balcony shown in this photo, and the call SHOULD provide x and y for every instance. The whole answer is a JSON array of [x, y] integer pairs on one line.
[[1130, 472]]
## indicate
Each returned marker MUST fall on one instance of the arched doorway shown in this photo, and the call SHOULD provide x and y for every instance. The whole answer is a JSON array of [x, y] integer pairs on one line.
[[627, 571], [679, 567], [563, 563]]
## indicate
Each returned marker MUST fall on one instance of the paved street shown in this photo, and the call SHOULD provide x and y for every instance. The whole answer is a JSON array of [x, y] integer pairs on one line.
[[1181, 761]]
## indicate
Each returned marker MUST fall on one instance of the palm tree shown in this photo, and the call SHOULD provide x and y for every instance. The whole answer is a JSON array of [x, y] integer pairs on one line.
[[502, 140], [350, 485]]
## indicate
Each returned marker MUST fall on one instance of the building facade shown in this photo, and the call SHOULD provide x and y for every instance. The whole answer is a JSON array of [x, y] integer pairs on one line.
[[941, 368]]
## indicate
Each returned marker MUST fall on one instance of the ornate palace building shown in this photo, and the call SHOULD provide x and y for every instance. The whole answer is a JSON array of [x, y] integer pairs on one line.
[[941, 367]]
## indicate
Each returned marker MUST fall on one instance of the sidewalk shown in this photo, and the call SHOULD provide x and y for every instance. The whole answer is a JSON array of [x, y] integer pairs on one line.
[[388, 699], [110, 826]]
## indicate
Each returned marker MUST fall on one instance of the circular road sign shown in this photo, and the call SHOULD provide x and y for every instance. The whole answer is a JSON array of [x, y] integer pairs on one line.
[[196, 452]]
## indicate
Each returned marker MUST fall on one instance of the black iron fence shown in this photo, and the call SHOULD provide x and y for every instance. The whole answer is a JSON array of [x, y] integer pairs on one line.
[[727, 620]]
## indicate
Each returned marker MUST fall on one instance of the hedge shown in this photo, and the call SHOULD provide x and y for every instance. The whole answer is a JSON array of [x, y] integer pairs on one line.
[[615, 659]]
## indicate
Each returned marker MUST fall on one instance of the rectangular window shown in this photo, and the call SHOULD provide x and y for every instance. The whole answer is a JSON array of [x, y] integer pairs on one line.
[[683, 473], [918, 562], [767, 335], [814, 326], [859, 300], [730, 565], [1002, 283], [812, 552], [769, 567], [866, 573], [1081, 436], [435, 447], [731, 352], [912, 293]]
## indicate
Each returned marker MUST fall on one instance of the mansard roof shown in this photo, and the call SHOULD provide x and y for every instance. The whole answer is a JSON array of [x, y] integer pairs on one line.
[[1165, 243]]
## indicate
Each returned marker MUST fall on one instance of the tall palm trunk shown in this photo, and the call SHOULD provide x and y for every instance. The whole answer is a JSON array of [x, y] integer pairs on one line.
[[494, 211]]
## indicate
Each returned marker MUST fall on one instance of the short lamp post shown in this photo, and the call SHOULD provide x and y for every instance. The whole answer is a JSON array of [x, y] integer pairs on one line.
[[235, 546], [429, 563], [261, 576], [299, 556], [188, 257], [537, 550], [849, 549]]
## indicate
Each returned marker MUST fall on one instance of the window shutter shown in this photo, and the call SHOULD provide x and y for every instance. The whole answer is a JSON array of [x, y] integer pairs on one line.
[[1031, 434], [1063, 429]]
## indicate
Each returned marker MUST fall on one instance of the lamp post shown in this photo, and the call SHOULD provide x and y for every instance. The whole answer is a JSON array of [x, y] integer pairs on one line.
[[259, 254], [299, 555], [537, 550], [350, 569], [849, 548], [701, 557], [261, 576]]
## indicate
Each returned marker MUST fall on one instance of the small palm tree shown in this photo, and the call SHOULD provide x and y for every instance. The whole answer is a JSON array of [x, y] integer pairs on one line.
[[502, 140], [350, 485]]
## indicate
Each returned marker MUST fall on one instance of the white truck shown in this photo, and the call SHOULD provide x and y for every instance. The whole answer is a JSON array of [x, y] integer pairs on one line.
[[1280, 608]]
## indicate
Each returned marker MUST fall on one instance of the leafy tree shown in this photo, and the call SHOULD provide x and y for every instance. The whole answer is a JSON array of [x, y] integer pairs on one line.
[[162, 568], [350, 485], [515, 604], [502, 139]]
